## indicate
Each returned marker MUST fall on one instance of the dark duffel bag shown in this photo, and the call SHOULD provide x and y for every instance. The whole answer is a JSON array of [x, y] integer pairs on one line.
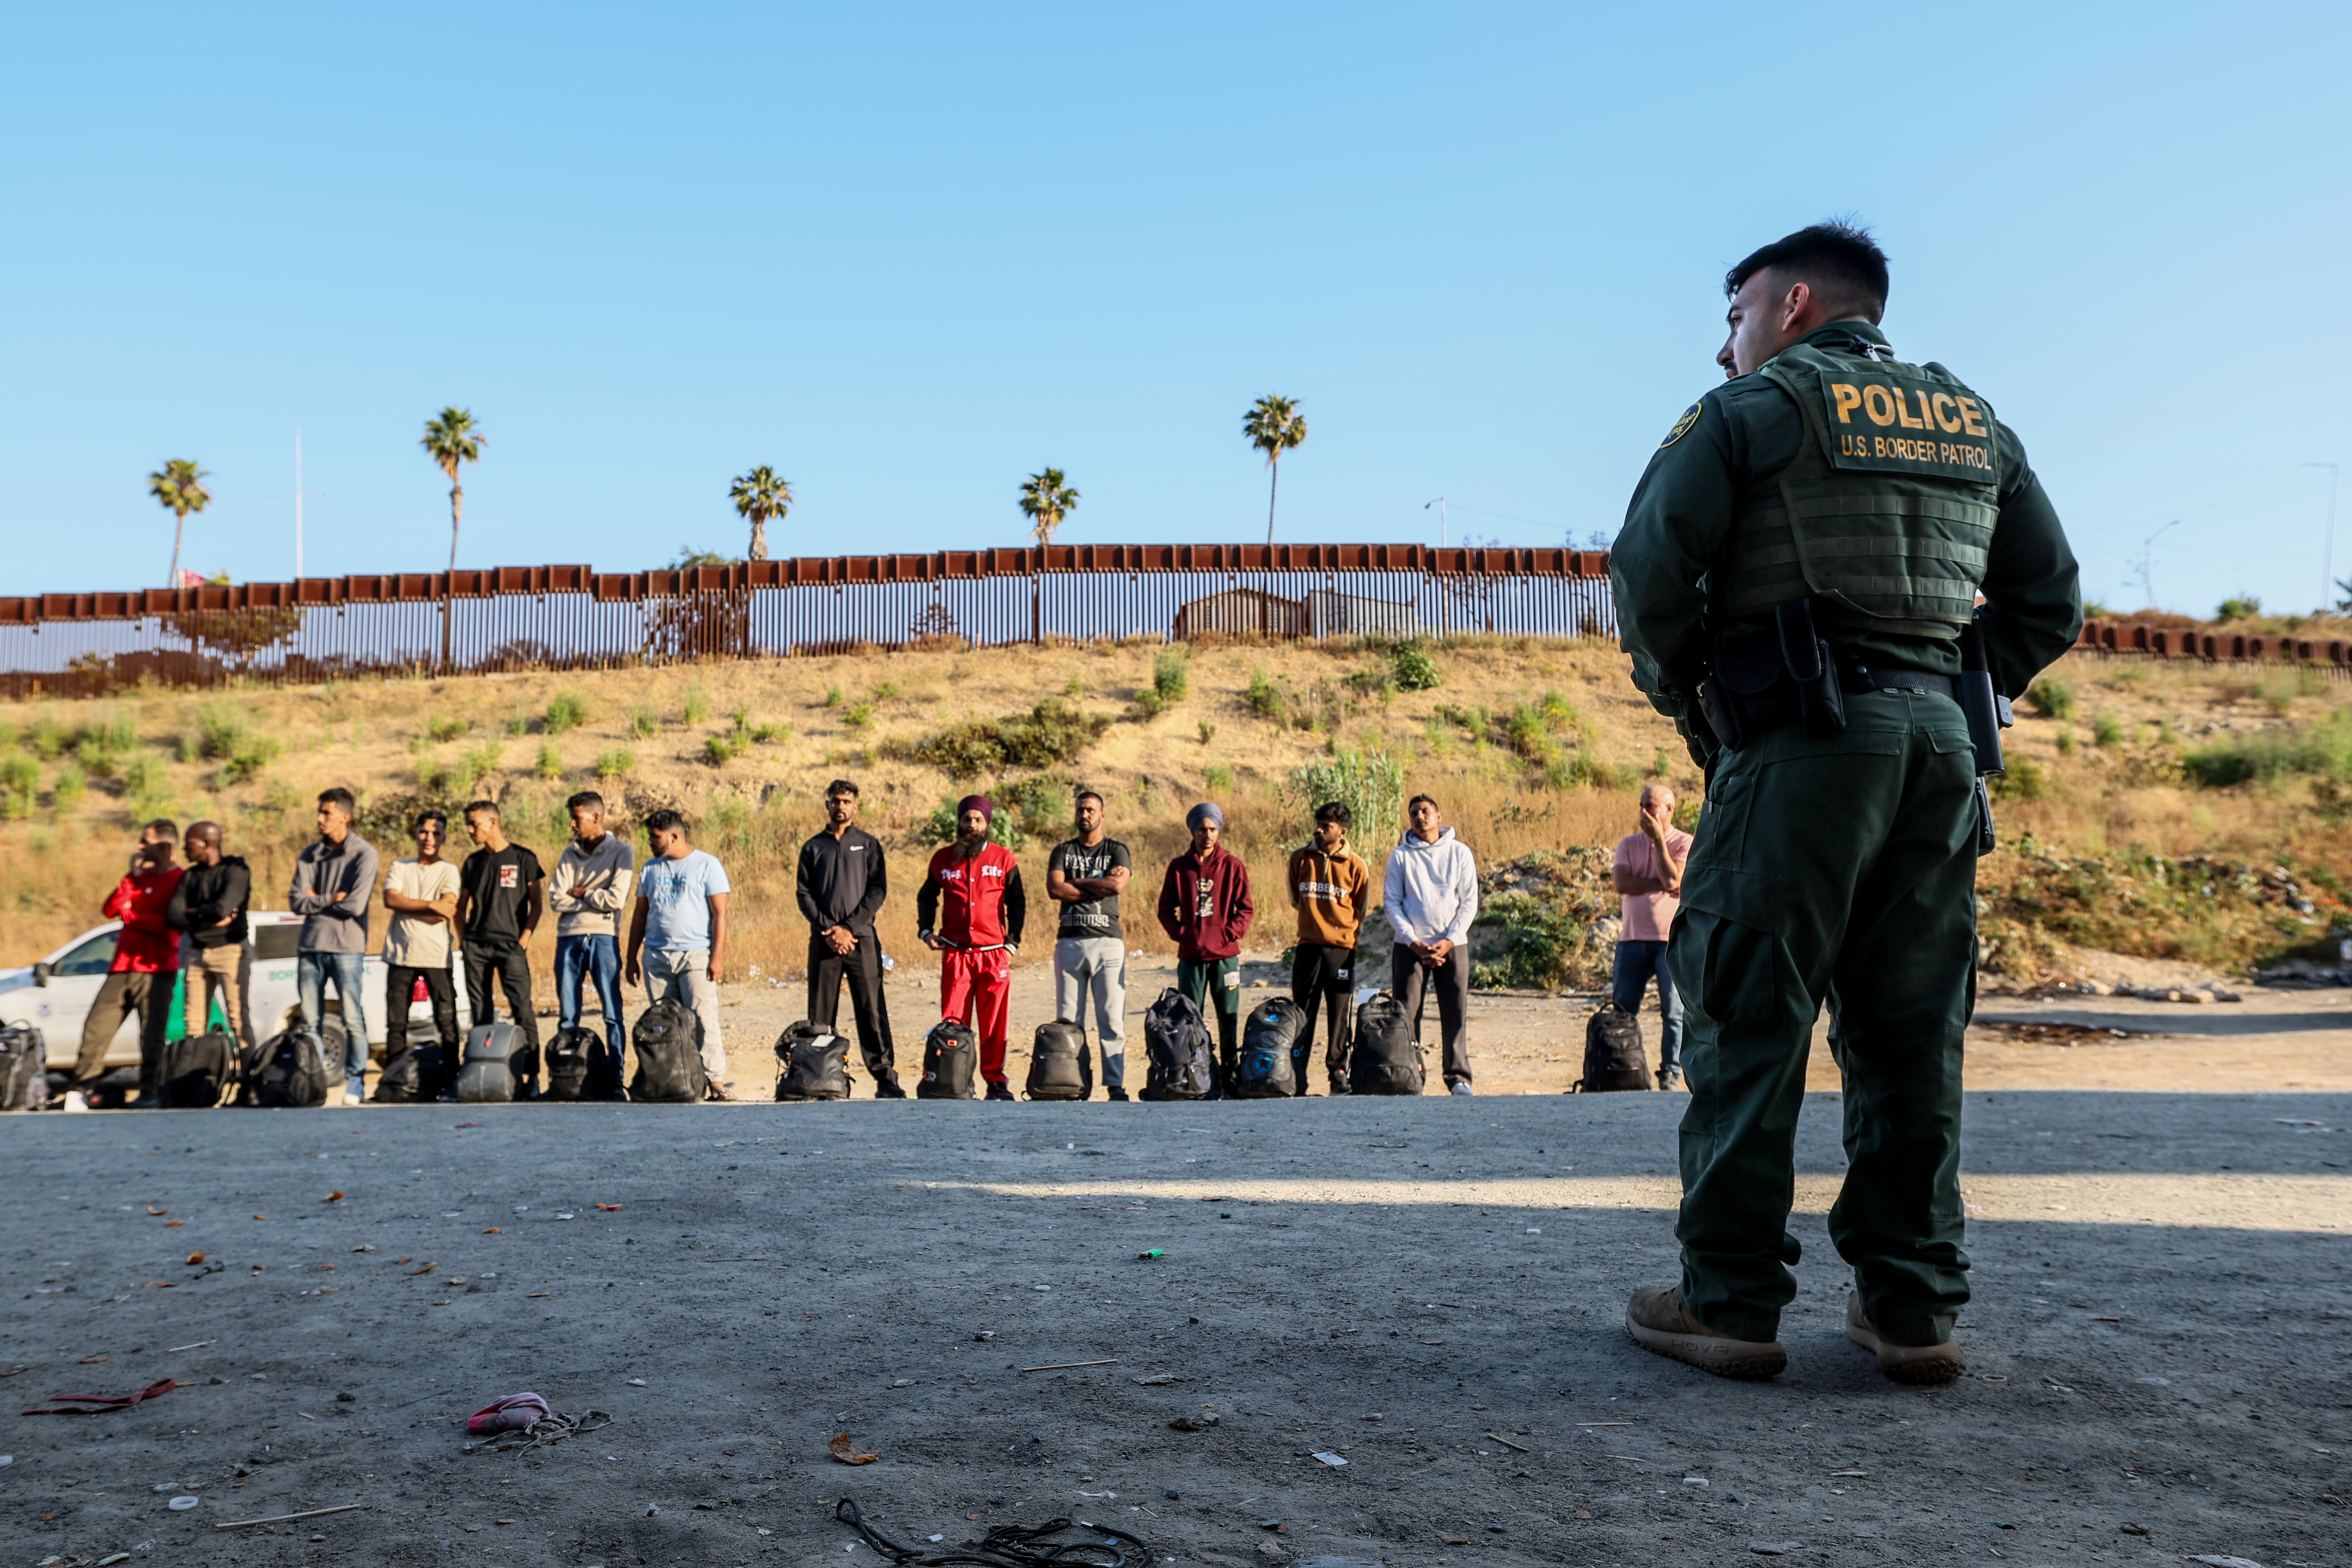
[[572, 1058], [411, 1075], [950, 1062], [1613, 1057], [196, 1070], [1059, 1066], [287, 1072], [812, 1063], [1266, 1071], [668, 1038], [1383, 1056], [1182, 1056]]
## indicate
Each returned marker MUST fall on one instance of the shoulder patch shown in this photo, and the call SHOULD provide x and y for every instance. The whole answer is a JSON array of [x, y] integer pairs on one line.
[[1682, 427]]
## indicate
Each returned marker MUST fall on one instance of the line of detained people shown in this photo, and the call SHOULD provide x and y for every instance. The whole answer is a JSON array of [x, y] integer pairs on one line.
[[476, 919]]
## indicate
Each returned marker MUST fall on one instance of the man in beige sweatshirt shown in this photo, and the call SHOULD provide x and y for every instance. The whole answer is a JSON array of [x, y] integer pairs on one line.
[[588, 892]]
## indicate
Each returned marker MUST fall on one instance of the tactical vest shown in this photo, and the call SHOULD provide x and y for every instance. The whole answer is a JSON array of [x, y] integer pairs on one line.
[[1884, 516]]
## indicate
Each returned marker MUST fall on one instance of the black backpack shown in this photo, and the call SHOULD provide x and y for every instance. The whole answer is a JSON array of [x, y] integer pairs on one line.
[[1266, 1071], [196, 1070], [950, 1062], [812, 1063], [496, 1061], [287, 1072], [668, 1041], [1060, 1068], [24, 1060], [1613, 1057], [411, 1075], [572, 1056], [1383, 1056], [1182, 1064]]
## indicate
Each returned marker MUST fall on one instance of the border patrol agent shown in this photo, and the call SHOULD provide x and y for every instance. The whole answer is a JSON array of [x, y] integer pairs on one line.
[[1796, 582]]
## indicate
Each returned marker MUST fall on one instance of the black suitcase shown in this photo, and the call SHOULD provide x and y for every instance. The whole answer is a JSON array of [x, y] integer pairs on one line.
[[287, 1072], [572, 1057], [1614, 1059]]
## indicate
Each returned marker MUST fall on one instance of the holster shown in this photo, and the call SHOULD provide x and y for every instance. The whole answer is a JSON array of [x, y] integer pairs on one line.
[[1786, 675]]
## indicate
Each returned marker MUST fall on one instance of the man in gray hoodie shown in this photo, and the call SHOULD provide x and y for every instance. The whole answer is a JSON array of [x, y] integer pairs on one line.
[[1432, 897], [334, 879]]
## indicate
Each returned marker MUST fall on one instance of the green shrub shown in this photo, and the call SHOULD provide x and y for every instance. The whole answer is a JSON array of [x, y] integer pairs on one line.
[[1265, 698], [478, 763], [251, 754], [517, 723], [114, 733], [2024, 781], [883, 691], [1171, 677], [1208, 732], [1370, 784], [565, 712], [643, 725], [550, 766], [2065, 742], [1043, 803], [2107, 729], [697, 705], [143, 784], [833, 695], [617, 763], [1414, 670], [219, 727], [96, 760], [1217, 780], [445, 727], [718, 751], [2279, 688], [20, 777], [1074, 686], [858, 715], [47, 737], [2323, 750], [2052, 698], [1054, 731], [2239, 607], [68, 788]]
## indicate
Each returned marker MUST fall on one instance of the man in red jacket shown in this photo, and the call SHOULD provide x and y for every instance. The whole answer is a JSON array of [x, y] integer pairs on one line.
[[1206, 908], [971, 911], [146, 966]]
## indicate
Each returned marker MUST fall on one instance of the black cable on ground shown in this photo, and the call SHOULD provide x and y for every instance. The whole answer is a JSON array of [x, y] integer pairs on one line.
[[1011, 1546]]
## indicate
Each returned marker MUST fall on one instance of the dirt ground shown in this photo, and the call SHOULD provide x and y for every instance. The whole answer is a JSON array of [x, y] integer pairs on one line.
[[1429, 1290]]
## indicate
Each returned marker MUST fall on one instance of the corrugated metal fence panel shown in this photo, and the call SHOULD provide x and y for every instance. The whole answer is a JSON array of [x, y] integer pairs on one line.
[[568, 617]]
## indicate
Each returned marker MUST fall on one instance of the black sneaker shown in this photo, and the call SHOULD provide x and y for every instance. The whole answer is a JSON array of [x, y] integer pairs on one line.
[[1339, 1085], [888, 1091], [1115, 1092], [999, 1092], [1670, 1077]]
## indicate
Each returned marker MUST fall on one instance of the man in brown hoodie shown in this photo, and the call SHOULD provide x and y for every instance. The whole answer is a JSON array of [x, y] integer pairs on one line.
[[1331, 888], [1204, 906]]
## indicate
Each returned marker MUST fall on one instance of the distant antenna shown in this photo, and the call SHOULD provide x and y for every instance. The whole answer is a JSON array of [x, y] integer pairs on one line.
[[2148, 560]]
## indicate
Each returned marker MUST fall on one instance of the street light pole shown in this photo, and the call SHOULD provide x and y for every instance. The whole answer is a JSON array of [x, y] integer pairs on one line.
[[2327, 571], [1440, 504]]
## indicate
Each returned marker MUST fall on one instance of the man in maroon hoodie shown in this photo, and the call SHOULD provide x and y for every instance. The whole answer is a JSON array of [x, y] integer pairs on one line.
[[1206, 908], [146, 965]]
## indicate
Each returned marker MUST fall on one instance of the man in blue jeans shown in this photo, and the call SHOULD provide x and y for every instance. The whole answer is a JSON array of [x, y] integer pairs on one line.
[[588, 892], [334, 879], [1648, 871]]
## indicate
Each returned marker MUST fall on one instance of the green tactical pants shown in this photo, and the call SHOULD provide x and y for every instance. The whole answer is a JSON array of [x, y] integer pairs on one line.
[[1840, 871]]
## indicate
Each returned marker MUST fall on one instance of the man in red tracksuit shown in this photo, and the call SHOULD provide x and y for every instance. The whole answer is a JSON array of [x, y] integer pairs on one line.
[[976, 933], [146, 966]]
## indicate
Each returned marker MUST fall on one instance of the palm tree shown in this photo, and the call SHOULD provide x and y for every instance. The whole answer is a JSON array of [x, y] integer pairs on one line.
[[452, 438], [758, 495], [1046, 500], [178, 484], [1274, 426]]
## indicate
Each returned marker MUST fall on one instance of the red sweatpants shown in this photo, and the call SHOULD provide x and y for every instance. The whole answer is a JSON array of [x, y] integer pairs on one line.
[[980, 983]]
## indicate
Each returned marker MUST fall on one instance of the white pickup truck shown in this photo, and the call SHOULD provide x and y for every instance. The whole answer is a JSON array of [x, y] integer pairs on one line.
[[55, 996]]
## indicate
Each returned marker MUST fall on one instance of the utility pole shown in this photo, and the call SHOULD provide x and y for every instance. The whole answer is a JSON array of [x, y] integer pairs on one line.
[[299, 493], [1440, 504], [2327, 571]]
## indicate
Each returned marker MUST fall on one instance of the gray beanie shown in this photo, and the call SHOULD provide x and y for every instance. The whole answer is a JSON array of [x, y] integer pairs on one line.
[[1206, 812]]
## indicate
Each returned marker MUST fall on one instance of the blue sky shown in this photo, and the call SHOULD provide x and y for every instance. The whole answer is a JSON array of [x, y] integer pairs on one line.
[[908, 255]]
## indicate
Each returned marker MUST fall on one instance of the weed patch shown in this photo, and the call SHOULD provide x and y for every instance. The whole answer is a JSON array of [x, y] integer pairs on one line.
[[1052, 732]]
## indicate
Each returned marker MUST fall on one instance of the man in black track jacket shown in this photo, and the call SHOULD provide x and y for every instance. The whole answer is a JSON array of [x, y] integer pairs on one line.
[[842, 885]]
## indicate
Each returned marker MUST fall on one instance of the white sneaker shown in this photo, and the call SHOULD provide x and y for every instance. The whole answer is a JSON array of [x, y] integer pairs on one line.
[[355, 1092], [75, 1101], [1459, 1088]]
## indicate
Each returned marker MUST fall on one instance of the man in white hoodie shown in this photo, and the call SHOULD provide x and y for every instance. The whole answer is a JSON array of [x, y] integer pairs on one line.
[[1432, 894]]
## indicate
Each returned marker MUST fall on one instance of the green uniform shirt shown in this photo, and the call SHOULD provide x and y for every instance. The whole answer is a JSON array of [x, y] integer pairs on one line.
[[1737, 437]]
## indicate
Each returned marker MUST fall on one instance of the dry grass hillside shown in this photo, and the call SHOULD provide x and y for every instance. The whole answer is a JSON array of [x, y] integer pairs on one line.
[[2128, 770]]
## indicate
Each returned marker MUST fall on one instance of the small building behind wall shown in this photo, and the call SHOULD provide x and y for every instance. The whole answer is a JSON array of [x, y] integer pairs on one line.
[[1241, 612], [1333, 614]]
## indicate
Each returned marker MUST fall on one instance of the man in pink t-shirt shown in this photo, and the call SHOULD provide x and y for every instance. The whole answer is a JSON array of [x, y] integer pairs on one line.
[[1648, 870]]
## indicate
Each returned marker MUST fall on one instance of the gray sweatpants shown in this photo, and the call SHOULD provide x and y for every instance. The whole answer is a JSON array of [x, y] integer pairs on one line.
[[686, 977], [1096, 965]]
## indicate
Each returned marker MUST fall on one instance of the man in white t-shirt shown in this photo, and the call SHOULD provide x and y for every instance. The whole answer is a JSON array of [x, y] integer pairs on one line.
[[422, 894], [1648, 871]]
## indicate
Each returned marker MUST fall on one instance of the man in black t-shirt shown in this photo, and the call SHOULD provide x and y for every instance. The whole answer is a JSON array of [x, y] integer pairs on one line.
[[501, 894], [1085, 875]]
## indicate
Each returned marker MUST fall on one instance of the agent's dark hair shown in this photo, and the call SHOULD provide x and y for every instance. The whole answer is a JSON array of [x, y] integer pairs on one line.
[[340, 797], [1839, 259], [1417, 799], [587, 800], [665, 821], [165, 829], [841, 786], [482, 808], [417, 826], [1336, 812]]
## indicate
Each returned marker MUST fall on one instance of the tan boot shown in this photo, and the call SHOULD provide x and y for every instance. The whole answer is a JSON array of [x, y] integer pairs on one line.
[[1918, 1364], [1656, 1318]]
